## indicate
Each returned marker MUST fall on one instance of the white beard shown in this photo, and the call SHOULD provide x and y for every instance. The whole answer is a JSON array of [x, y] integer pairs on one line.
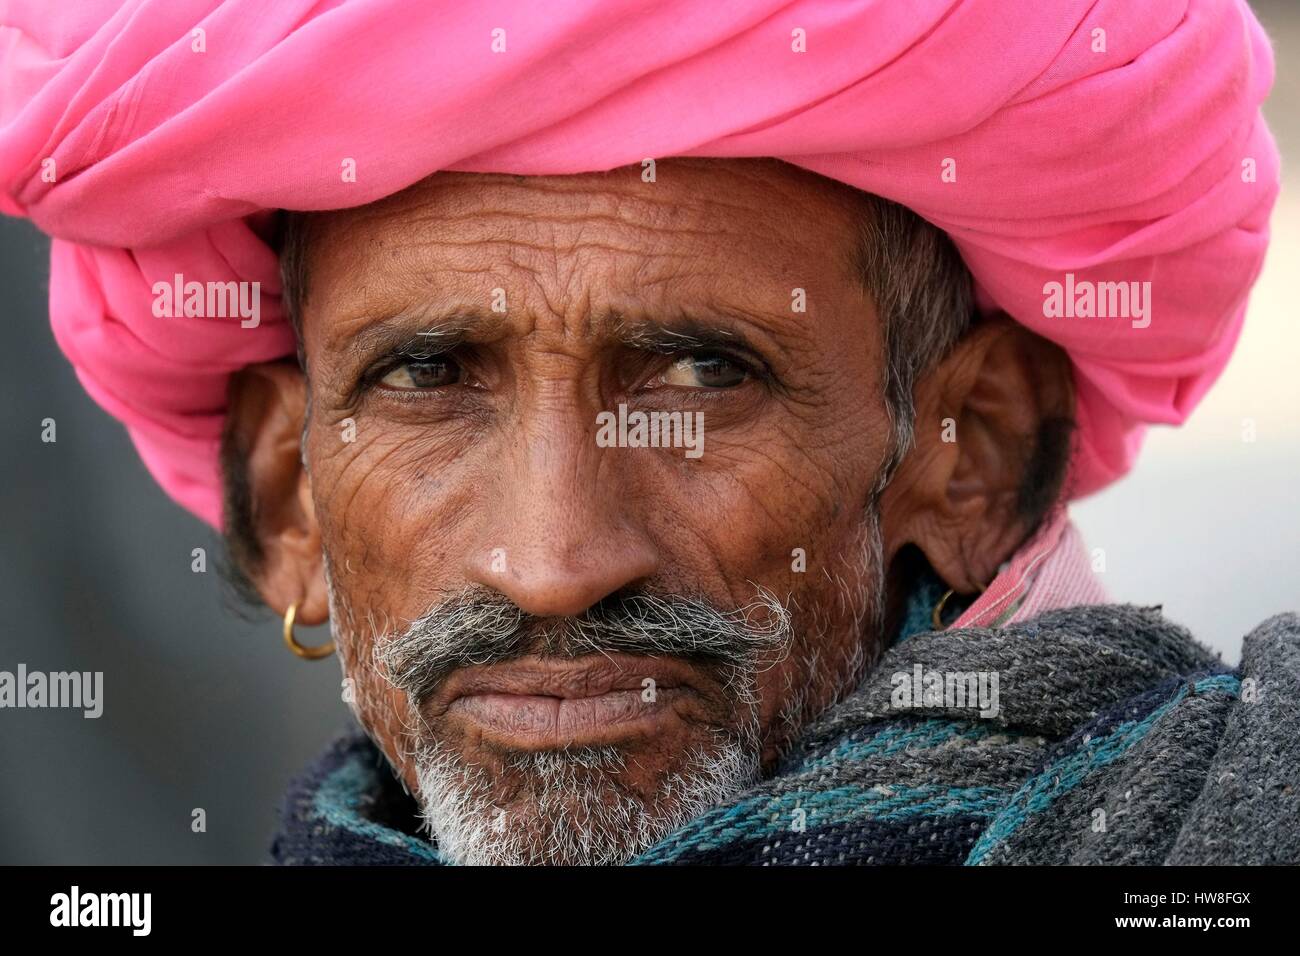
[[576, 813]]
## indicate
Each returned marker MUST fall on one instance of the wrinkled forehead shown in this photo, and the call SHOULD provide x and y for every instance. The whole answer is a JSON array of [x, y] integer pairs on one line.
[[740, 232]]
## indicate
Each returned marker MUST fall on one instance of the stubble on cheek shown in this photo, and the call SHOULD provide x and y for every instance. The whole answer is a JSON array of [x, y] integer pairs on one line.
[[838, 635], [383, 712], [380, 708]]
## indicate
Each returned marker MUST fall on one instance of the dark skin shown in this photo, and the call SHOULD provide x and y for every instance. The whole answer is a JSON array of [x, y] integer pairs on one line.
[[489, 449]]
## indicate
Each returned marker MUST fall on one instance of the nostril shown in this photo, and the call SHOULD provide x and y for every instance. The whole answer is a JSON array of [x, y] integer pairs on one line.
[[545, 582]]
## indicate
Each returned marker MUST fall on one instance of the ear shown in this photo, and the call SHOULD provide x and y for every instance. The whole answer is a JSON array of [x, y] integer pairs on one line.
[[267, 409], [958, 493]]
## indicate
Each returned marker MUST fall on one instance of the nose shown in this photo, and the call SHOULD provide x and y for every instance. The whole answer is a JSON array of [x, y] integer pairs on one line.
[[564, 533]]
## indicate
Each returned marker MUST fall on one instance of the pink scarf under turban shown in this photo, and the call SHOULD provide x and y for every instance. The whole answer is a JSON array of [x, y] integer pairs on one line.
[[1107, 139]]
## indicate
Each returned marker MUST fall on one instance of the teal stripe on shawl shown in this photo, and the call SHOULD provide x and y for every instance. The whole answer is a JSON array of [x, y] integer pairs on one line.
[[771, 816], [1042, 790], [339, 799], [895, 737]]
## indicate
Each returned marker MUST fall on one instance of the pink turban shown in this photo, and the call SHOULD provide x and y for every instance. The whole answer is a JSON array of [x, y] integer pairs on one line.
[[1108, 140]]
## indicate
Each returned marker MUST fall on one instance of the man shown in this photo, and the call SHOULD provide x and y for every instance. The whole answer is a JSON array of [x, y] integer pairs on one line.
[[697, 509]]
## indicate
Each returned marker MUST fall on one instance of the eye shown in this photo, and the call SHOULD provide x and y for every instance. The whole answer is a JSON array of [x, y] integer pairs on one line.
[[423, 374], [707, 370]]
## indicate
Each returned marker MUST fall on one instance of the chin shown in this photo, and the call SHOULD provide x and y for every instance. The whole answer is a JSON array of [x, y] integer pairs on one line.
[[596, 805]]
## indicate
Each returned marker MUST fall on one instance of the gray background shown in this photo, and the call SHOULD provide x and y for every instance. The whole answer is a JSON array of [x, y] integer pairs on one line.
[[204, 709]]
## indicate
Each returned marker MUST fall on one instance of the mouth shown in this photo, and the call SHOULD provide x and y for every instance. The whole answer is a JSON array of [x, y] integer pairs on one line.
[[535, 703]]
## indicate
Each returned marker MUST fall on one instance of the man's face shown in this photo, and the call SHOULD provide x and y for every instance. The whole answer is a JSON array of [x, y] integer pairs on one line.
[[566, 641]]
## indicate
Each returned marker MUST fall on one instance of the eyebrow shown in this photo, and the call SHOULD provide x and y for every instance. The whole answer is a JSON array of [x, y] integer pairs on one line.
[[414, 333], [677, 335], [688, 333]]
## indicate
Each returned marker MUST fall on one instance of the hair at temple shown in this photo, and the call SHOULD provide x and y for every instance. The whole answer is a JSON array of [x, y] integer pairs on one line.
[[923, 295]]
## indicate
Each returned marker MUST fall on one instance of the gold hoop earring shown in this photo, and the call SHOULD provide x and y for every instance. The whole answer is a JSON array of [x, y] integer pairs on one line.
[[306, 653], [936, 616]]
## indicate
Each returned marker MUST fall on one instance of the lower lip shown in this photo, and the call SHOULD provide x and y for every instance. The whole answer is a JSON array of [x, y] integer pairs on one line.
[[526, 721]]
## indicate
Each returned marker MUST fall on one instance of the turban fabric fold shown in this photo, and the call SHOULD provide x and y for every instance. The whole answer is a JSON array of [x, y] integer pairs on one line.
[[1109, 140]]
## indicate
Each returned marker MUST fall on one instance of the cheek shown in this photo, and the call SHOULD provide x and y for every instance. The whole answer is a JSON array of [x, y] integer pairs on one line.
[[393, 507], [791, 515], [780, 508]]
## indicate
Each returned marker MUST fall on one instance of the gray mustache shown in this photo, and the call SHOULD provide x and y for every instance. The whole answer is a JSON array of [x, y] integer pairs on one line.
[[478, 626]]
